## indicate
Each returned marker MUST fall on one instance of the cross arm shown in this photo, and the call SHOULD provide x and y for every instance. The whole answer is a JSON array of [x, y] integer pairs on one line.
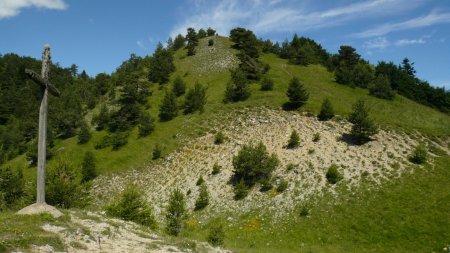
[[42, 82]]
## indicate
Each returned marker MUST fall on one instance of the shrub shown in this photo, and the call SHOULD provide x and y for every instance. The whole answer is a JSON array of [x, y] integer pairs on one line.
[[333, 176], [216, 169], [88, 167], [32, 152], [84, 134], [157, 151], [195, 99], [316, 137], [179, 86], [102, 118], [282, 185], [216, 235], [381, 88], [419, 155], [119, 140], [104, 142], [240, 190], [130, 206], [267, 84], [203, 198], [296, 93], [11, 186], [304, 211], [291, 166], [146, 124], [266, 185], [326, 110], [363, 127], [62, 188], [200, 181], [176, 213], [210, 42], [219, 138], [253, 163], [294, 140]]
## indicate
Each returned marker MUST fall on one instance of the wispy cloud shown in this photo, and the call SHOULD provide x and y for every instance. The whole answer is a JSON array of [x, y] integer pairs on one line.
[[406, 42], [11, 8], [424, 21], [141, 45], [284, 15], [377, 43]]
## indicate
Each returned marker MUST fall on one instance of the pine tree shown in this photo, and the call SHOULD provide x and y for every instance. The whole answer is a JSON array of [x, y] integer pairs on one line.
[[267, 84], [146, 124], [201, 33], [203, 197], [363, 127], [178, 42], [84, 134], [294, 140], [326, 110], [238, 88], [296, 93], [210, 32], [168, 108], [161, 65], [381, 88], [195, 99], [179, 86], [88, 171], [176, 213]]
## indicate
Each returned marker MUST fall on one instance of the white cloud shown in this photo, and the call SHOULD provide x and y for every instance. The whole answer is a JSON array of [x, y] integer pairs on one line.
[[377, 43], [424, 21], [407, 42], [284, 15], [11, 8], [141, 45]]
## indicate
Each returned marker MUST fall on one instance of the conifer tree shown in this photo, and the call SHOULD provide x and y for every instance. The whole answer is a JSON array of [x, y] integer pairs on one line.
[[210, 32], [195, 99], [363, 127], [168, 108], [381, 88], [203, 197], [326, 110], [146, 124], [296, 93], [176, 213], [161, 65], [84, 135], [179, 86], [294, 140], [238, 87], [88, 171], [178, 42]]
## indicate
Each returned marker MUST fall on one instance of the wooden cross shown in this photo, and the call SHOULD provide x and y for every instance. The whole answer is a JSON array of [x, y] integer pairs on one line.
[[46, 87]]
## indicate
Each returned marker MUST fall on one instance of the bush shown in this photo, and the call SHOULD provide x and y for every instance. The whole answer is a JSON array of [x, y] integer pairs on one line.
[[130, 206], [195, 99], [179, 86], [176, 213], [333, 176], [419, 155], [297, 94], [88, 167], [203, 198], [104, 142], [267, 84], [62, 188], [381, 88], [304, 211], [119, 140], [240, 190], [200, 181], [363, 127], [84, 134], [102, 118], [146, 124], [316, 137], [253, 163], [216, 169], [282, 185], [210, 42], [294, 140], [219, 138], [216, 235], [157, 151], [326, 110], [291, 166], [266, 185], [11, 186]]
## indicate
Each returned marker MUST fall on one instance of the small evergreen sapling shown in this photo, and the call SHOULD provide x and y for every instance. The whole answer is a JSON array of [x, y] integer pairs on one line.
[[333, 176], [294, 140], [297, 94], [203, 197], [326, 110], [419, 155], [216, 235], [176, 213], [88, 171], [84, 134], [363, 127]]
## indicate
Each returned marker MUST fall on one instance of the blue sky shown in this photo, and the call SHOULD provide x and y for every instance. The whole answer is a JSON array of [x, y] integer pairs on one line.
[[98, 35]]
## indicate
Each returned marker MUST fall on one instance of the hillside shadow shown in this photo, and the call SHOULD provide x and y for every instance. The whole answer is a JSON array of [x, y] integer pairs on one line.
[[353, 140], [288, 106]]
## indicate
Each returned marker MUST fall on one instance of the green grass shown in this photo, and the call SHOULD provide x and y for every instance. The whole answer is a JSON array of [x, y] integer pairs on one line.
[[410, 214], [19, 232]]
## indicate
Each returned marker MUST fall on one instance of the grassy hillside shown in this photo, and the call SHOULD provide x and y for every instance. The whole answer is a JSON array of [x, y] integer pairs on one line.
[[400, 113]]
